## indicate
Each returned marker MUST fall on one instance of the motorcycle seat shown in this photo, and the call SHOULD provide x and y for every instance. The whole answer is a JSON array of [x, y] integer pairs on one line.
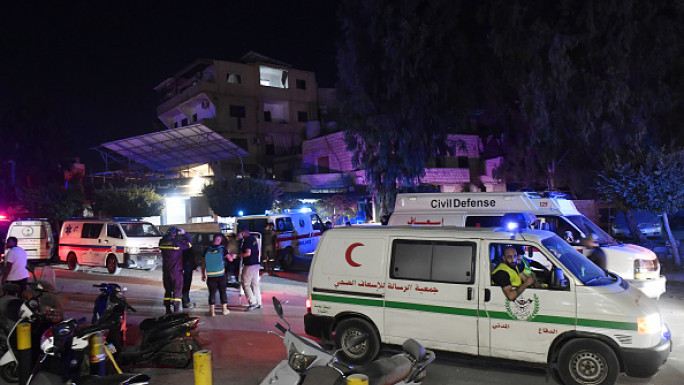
[[151, 323], [386, 371]]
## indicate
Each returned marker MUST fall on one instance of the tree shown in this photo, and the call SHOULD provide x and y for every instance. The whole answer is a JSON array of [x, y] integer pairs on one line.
[[587, 77], [53, 201], [132, 201], [337, 206], [398, 67], [648, 180], [228, 196]]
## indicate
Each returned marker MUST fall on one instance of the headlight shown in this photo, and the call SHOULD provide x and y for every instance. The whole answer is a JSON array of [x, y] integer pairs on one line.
[[649, 324], [132, 250], [299, 362]]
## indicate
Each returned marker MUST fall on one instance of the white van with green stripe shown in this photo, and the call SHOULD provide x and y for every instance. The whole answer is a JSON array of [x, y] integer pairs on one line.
[[434, 284]]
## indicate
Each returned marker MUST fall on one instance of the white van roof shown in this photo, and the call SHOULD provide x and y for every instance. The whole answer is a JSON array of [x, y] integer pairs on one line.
[[484, 203], [496, 234]]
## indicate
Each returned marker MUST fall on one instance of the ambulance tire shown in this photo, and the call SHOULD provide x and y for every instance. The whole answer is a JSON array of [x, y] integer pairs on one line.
[[587, 361], [359, 354], [112, 265], [287, 259], [72, 262]]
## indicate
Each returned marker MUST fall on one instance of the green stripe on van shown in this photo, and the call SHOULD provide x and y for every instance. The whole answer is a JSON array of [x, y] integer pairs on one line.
[[475, 312]]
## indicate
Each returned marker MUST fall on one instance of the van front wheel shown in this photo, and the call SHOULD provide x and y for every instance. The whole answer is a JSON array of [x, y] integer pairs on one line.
[[585, 361], [72, 262], [288, 259], [362, 353], [112, 265]]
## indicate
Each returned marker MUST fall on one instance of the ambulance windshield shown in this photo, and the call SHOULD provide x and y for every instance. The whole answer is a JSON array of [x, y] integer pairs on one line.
[[580, 266], [588, 227]]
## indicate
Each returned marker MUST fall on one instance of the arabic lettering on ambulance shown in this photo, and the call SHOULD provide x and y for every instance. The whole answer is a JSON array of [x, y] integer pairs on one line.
[[413, 221], [391, 286], [501, 326], [547, 331]]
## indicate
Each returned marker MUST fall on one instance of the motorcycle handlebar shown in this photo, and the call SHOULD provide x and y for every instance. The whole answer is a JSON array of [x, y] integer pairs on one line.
[[280, 327]]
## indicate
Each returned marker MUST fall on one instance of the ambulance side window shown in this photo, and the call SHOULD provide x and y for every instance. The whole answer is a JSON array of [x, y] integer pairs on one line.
[[435, 261], [113, 231], [316, 222], [284, 224], [91, 230], [483, 221]]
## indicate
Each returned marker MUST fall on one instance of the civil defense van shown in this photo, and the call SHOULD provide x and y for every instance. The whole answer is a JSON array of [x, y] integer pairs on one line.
[[35, 236], [434, 284], [112, 243], [297, 232], [638, 265]]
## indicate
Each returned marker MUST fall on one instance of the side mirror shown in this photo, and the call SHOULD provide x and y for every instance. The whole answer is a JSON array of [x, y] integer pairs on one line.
[[278, 307]]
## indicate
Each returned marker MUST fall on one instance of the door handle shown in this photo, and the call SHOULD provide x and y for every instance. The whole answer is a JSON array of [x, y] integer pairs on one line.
[[470, 293], [488, 295]]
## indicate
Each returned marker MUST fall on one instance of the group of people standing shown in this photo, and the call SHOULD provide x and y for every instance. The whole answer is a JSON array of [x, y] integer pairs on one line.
[[215, 265]]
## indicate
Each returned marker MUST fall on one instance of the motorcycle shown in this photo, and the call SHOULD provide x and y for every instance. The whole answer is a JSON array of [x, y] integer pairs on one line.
[[170, 339], [63, 350], [309, 364], [42, 308]]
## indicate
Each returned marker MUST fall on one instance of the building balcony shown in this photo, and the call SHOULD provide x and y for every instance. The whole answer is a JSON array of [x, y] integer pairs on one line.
[[184, 93]]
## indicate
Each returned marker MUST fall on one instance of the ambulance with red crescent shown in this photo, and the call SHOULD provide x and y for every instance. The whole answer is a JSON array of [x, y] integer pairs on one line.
[[435, 284]]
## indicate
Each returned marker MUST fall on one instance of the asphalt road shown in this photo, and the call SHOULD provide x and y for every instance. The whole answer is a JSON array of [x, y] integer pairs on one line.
[[243, 352]]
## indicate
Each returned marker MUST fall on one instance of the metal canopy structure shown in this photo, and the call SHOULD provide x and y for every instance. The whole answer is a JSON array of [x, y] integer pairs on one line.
[[176, 147]]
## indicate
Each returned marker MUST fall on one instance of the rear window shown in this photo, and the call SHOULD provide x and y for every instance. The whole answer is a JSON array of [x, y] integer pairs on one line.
[[254, 225], [27, 231]]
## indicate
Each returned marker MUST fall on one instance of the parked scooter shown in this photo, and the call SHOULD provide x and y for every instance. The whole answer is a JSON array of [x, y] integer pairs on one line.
[[309, 364], [63, 349], [42, 308], [169, 340]]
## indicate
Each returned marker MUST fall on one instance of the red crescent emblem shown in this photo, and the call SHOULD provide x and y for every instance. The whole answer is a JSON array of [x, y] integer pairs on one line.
[[348, 257]]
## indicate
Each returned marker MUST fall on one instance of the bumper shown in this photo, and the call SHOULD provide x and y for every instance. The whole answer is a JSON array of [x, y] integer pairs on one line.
[[318, 326], [645, 362], [142, 261], [653, 288]]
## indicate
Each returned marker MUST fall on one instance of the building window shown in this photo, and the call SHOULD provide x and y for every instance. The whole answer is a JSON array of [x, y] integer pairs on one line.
[[194, 118], [302, 116], [184, 122], [234, 78], [175, 124], [237, 111], [301, 84], [267, 116]]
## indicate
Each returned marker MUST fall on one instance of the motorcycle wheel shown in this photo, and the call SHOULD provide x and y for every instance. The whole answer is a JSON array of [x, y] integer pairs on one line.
[[9, 372]]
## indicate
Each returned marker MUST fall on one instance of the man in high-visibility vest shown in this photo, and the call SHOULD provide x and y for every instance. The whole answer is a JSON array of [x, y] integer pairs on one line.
[[507, 275], [172, 245]]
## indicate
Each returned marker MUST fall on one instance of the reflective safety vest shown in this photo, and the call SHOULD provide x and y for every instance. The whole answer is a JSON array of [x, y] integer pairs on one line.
[[515, 276]]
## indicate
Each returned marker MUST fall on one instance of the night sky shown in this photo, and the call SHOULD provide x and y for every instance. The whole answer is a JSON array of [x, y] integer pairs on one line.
[[99, 61]]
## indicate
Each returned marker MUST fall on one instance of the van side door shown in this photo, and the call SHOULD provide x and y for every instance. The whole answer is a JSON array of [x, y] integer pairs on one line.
[[92, 243], [524, 328], [431, 294]]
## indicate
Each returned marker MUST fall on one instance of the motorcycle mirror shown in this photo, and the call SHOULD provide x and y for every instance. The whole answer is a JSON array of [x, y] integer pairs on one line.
[[278, 307]]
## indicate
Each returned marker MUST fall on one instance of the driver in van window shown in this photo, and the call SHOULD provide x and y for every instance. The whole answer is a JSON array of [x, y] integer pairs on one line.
[[508, 275]]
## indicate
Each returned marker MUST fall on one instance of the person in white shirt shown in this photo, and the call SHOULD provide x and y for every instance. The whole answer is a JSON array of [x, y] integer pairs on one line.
[[15, 265]]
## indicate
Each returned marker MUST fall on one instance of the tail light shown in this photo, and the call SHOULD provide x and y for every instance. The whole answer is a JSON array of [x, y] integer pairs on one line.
[[308, 305]]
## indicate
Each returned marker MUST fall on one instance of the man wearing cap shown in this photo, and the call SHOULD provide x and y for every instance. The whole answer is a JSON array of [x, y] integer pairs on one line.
[[249, 252], [172, 245]]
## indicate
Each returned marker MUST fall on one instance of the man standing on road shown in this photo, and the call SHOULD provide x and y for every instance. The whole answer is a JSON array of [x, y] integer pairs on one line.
[[15, 265], [172, 245], [249, 252], [268, 248]]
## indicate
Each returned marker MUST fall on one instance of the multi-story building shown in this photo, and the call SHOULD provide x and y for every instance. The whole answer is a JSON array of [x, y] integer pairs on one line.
[[260, 104]]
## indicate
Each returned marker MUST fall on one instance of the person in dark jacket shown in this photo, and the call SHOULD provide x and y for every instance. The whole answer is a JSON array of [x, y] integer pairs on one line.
[[172, 245]]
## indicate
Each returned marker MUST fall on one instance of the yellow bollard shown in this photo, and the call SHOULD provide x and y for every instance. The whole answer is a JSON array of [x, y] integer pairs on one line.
[[357, 379], [97, 355], [24, 352], [201, 361]]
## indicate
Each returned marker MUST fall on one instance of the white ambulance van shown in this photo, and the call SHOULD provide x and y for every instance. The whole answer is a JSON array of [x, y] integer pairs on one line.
[[35, 236], [297, 232], [112, 243], [434, 284], [638, 265]]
